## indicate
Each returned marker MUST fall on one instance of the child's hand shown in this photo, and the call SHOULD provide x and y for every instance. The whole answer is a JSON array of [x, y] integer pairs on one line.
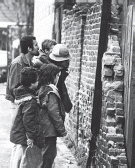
[[30, 142], [36, 61]]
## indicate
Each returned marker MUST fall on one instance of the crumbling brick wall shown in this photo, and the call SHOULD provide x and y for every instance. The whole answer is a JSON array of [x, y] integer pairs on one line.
[[81, 32], [110, 142]]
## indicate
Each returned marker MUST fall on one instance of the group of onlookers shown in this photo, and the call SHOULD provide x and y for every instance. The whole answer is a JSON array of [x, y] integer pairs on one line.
[[39, 99]]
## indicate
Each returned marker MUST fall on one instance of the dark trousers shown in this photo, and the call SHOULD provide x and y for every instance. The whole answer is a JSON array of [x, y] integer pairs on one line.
[[49, 152]]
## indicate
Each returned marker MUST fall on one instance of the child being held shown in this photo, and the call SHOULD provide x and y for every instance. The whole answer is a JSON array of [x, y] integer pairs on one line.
[[52, 111], [26, 129]]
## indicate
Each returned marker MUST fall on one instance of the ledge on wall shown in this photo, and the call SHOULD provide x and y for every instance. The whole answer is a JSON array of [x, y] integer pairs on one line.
[[67, 2]]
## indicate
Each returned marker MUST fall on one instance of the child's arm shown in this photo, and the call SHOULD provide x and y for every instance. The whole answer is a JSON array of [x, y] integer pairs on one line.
[[31, 125], [54, 114]]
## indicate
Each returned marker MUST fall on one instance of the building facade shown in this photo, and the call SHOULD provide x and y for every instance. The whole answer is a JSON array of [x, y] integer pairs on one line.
[[100, 38]]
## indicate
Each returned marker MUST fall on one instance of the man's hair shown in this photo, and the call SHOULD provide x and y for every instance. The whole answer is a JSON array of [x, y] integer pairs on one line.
[[46, 44], [25, 42], [28, 76], [48, 73]]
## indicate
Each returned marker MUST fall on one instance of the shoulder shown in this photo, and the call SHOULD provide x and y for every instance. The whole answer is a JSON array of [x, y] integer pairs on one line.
[[30, 106], [17, 60], [44, 90], [54, 90], [26, 100]]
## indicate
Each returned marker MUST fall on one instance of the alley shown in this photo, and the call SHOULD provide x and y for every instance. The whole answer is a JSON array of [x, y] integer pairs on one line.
[[64, 157]]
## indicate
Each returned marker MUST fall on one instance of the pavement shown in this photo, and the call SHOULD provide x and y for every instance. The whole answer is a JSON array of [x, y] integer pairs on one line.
[[64, 158]]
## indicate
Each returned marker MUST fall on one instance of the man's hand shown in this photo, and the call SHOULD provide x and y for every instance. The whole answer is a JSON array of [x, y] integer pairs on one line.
[[30, 142]]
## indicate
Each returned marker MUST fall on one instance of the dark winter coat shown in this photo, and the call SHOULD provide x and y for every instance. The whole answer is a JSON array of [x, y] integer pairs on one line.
[[61, 83], [27, 119], [52, 112]]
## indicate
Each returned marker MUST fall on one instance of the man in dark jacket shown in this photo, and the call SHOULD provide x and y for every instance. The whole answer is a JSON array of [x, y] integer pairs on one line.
[[60, 57]]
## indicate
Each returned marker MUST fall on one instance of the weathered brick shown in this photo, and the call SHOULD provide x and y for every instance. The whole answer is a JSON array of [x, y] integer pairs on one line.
[[113, 160], [112, 151], [119, 111], [110, 111], [111, 93], [110, 122], [118, 70], [119, 98], [105, 129], [117, 85], [119, 151], [108, 60], [119, 105], [120, 145], [115, 138], [120, 119], [107, 72], [114, 37], [115, 20], [119, 131], [118, 61], [122, 159], [112, 130], [110, 105]]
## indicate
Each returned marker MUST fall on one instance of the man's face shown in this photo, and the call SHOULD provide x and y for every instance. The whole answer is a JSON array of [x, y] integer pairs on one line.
[[35, 50]]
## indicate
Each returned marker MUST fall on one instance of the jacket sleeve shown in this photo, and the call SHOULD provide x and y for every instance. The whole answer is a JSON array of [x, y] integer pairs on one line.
[[14, 78], [63, 91], [54, 114], [65, 97], [32, 127]]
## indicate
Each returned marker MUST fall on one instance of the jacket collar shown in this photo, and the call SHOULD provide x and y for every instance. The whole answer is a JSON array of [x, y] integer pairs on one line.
[[23, 56], [55, 89], [23, 94]]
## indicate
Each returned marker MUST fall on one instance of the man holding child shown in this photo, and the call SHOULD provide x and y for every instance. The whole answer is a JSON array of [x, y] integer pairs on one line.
[[53, 66]]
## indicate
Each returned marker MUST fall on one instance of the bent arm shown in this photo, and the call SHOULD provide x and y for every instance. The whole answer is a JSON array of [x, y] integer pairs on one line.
[[54, 114], [32, 128]]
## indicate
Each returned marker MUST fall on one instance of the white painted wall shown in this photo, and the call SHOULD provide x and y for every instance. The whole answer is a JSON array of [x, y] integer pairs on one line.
[[43, 19]]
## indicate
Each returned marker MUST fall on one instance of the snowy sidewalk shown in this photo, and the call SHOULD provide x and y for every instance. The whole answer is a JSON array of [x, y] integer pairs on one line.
[[64, 158]]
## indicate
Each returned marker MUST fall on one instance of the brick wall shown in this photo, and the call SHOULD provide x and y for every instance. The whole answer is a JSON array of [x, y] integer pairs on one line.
[[88, 71], [72, 33], [80, 32], [110, 142]]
